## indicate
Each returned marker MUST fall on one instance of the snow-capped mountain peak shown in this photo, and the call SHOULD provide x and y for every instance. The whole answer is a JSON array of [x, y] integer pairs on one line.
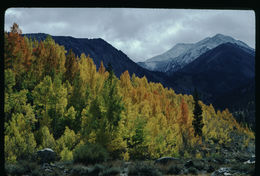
[[220, 39], [175, 51], [183, 53]]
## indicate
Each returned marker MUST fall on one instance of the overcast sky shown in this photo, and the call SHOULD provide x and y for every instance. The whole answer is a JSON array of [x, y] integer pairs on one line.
[[140, 33]]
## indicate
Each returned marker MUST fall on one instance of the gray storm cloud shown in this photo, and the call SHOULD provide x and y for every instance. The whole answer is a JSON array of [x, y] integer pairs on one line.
[[140, 33]]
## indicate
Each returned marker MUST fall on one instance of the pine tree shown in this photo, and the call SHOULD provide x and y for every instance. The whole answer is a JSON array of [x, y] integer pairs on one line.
[[197, 115]]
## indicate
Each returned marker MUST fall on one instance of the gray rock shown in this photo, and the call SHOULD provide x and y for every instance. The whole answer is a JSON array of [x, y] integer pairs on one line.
[[61, 167], [251, 160], [45, 166], [66, 171], [224, 171], [46, 155], [165, 160], [230, 160], [48, 170]]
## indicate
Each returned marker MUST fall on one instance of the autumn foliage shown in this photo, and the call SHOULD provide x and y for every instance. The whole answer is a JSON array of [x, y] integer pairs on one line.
[[59, 100]]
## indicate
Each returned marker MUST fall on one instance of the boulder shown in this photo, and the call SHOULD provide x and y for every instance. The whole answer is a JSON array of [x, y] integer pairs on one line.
[[251, 160], [224, 171], [165, 160], [48, 170], [46, 155], [46, 166]]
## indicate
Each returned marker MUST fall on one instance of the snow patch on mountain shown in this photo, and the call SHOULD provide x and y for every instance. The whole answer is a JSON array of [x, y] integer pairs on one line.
[[181, 54], [175, 51]]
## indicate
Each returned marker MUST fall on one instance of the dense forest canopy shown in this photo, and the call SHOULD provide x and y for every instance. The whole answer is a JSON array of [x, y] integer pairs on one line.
[[57, 100]]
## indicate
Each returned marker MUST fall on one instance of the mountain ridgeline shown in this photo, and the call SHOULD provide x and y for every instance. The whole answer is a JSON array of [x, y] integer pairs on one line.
[[219, 67], [225, 77], [99, 50], [54, 99], [184, 53], [219, 70], [70, 114]]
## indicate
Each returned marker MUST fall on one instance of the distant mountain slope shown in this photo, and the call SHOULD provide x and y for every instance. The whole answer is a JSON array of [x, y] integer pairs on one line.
[[241, 102], [172, 53], [225, 78], [100, 50], [159, 62], [220, 73], [183, 54], [219, 70]]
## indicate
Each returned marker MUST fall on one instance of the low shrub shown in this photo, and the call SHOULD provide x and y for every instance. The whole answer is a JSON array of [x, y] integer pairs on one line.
[[211, 168], [174, 169], [193, 170], [62, 164], [143, 169], [98, 168], [21, 167], [90, 154], [79, 170], [28, 165], [111, 171], [36, 172], [15, 169], [242, 158], [216, 157], [244, 168], [199, 165]]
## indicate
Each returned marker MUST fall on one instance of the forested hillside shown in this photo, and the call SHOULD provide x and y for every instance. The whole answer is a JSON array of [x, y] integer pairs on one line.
[[60, 101], [100, 50], [217, 69]]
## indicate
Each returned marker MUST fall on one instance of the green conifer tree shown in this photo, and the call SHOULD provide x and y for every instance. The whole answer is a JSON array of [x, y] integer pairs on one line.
[[197, 115]]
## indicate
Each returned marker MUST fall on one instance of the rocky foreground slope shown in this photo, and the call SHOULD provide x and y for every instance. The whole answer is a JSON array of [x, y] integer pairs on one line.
[[221, 162]]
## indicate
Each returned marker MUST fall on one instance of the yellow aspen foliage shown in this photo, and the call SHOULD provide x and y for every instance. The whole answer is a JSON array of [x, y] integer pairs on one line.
[[71, 66], [87, 70], [102, 68], [66, 155], [75, 104], [19, 139], [48, 140], [125, 83]]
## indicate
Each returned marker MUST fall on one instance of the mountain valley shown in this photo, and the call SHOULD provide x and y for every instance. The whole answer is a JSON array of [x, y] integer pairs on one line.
[[216, 66]]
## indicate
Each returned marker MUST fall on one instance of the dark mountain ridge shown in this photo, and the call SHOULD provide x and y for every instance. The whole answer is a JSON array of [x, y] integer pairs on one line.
[[184, 53], [225, 77], [220, 74], [219, 70], [100, 50]]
